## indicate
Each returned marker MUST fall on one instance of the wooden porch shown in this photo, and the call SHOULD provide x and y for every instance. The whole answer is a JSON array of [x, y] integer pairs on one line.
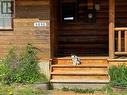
[[106, 36], [94, 67], [91, 70]]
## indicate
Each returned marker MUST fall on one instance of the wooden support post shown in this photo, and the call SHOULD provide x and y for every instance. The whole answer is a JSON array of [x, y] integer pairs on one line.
[[111, 28], [125, 38], [119, 41]]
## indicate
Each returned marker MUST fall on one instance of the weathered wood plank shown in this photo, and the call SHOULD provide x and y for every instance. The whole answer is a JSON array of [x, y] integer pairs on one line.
[[125, 38], [119, 41], [111, 28]]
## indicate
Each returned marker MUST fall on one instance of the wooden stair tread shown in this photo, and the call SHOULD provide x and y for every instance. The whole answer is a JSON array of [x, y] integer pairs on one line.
[[80, 73], [81, 66], [118, 60], [79, 81], [82, 58]]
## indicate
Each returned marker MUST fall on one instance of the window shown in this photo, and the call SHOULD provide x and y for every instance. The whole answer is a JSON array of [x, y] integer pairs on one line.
[[6, 12], [68, 11]]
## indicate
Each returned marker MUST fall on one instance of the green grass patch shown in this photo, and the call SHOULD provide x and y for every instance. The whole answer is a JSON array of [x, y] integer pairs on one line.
[[107, 90], [18, 89], [76, 90], [118, 76]]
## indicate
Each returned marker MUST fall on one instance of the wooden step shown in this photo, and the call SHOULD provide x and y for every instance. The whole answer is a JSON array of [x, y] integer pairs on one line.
[[85, 65], [85, 61], [80, 73], [91, 70], [80, 77], [81, 69], [79, 81]]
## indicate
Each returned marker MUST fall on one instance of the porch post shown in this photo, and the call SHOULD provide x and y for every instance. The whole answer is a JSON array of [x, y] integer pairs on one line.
[[111, 28]]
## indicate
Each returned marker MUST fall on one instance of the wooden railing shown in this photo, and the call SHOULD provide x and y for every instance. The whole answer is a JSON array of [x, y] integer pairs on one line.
[[120, 41]]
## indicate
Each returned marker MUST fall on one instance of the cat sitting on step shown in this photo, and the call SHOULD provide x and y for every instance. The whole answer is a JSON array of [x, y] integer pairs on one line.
[[75, 59]]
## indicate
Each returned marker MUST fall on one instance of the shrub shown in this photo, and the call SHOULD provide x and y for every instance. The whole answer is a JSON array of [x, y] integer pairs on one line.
[[28, 70], [8, 66], [2, 70], [118, 76], [22, 68]]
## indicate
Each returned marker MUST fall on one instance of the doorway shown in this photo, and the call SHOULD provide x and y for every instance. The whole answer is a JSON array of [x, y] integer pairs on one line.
[[81, 27]]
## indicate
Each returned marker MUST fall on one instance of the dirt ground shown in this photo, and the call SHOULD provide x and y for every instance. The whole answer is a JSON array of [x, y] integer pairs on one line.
[[71, 93]]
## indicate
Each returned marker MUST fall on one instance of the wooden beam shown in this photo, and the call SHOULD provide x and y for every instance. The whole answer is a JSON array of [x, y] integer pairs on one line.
[[53, 27], [120, 29], [125, 37], [111, 28], [119, 41], [120, 53]]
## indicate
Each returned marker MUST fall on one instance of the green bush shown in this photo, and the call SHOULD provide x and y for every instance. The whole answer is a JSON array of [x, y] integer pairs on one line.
[[3, 70], [9, 66], [28, 70], [22, 68], [118, 76]]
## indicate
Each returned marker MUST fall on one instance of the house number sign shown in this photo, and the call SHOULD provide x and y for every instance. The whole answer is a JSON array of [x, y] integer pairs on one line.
[[40, 24]]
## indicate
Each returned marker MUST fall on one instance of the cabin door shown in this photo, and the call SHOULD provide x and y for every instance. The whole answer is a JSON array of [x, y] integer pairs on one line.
[[82, 27]]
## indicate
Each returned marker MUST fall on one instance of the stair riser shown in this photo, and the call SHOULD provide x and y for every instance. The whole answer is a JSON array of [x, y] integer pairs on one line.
[[82, 61], [81, 85], [57, 77], [90, 70]]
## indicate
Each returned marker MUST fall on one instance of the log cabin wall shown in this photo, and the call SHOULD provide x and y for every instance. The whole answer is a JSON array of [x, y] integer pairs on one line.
[[121, 13], [83, 38], [27, 13], [121, 18]]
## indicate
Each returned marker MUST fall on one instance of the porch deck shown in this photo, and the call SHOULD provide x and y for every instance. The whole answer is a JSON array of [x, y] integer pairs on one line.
[[91, 73]]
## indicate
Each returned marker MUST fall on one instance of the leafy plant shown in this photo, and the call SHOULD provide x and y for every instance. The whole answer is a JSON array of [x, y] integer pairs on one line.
[[20, 68], [2, 70], [106, 89], [28, 71], [8, 66], [118, 76]]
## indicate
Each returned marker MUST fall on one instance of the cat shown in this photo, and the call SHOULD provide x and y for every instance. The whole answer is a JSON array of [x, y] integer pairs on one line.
[[75, 60]]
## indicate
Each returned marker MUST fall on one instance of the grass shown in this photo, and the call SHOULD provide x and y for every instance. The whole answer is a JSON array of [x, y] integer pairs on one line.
[[76, 90], [19, 89], [118, 76], [42, 79], [118, 92], [107, 90], [29, 89]]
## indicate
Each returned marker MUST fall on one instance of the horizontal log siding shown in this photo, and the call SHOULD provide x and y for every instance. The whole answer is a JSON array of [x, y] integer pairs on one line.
[[32, 9], [83, 38], [121, 13], [27, 13]]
